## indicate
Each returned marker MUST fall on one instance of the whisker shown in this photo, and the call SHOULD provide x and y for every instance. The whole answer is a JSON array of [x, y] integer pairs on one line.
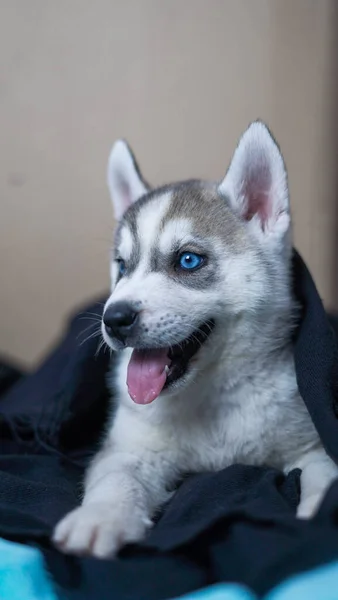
[[91, 336], [90, 319], [103, 344], [96, 331], [91, 314], [99, 347]]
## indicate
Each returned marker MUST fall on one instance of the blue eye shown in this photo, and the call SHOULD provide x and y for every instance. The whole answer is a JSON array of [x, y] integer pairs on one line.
[[189, 261], [122, 267]]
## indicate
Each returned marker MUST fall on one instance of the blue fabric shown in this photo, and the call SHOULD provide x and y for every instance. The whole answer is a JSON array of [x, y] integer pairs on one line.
[[319, 584], [228, 591], [23, 577], [22, 573]]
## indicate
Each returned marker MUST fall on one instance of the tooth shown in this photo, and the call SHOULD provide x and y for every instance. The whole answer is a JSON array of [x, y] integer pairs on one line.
[[166, 369]]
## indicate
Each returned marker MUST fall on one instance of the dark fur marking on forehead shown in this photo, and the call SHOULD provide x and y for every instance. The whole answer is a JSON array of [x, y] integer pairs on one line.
[[196, 200], [129, 220], [208, 212], [132, 212], [130, 217]]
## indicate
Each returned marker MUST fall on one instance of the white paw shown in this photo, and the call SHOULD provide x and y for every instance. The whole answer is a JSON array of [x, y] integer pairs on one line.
[[308, 507], [99, 530]]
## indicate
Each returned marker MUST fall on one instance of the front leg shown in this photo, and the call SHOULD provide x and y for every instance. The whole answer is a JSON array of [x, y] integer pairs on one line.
[[318, 472], [124, 486]]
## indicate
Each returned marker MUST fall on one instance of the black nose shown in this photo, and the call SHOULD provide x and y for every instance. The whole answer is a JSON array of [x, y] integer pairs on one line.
[[120, 318]]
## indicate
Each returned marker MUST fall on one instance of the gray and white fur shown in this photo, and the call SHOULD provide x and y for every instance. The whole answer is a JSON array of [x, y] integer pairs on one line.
[[238, 401]]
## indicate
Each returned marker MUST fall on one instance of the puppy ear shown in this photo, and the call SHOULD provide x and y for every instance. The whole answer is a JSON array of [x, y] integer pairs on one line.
[[256, 183], [125, 181]]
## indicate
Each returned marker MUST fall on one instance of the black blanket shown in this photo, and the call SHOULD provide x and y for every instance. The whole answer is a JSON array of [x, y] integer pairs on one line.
[[235, 525]]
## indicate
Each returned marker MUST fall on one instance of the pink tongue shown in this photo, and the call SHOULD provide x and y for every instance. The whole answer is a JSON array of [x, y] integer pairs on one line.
[[146, 374]]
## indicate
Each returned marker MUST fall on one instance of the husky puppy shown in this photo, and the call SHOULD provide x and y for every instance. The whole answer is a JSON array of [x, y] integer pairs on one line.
[[201, 313]]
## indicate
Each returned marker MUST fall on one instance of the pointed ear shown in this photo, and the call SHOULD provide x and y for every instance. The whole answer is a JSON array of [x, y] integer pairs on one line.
[[125, 182], [256, 183]]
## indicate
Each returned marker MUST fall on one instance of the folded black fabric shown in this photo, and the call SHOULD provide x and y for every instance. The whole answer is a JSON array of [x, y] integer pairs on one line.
[[235, 525]]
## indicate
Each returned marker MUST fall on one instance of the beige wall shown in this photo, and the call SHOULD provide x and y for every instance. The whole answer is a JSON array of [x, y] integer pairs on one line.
[[180, 79]]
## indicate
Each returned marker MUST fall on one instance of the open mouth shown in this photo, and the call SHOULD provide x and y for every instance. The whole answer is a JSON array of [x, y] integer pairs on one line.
[[152, 370]]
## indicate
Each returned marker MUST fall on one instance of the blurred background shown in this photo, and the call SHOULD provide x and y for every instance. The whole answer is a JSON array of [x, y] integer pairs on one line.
[[180, 79]]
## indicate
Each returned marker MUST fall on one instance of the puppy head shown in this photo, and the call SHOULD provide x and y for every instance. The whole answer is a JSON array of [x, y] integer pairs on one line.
[[190, 258]]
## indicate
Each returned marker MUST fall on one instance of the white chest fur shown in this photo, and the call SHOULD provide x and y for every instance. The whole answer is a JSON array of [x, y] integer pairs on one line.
[[260, 419]]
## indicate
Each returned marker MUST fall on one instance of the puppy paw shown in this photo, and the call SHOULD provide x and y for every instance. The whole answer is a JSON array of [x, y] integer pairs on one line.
[[99, 530], [308, 507]]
